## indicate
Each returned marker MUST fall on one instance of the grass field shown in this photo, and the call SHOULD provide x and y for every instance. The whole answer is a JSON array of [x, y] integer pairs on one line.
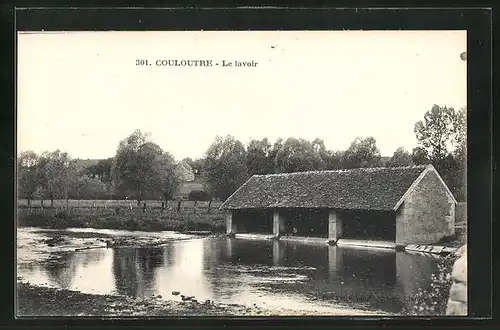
[[122, 214]]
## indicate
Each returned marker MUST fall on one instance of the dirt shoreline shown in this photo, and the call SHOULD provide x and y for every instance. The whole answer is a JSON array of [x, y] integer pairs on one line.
[[43, 301], [35, 300]]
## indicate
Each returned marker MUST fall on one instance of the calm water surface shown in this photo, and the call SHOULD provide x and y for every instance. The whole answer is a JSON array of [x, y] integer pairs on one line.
[[288, 275]]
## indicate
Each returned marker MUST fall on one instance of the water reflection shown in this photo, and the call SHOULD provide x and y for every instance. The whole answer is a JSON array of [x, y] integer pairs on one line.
[[88, 271], [185, 272], [134, 270], [279, 273], [375, 279]]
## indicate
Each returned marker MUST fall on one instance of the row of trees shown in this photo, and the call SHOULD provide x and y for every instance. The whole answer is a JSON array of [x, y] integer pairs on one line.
[[141, 169], [54, 175], [441, 136]]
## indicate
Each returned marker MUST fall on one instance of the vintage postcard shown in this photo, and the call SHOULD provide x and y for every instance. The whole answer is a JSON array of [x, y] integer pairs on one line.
[[241, 173]]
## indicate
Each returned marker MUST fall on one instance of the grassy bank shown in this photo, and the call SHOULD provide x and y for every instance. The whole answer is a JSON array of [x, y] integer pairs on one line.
[[135, 219]]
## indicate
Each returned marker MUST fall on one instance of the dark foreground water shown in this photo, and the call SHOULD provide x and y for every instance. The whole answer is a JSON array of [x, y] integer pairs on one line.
[[266, 273]]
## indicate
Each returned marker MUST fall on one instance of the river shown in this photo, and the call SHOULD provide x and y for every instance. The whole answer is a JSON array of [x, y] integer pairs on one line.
[[264, 273]]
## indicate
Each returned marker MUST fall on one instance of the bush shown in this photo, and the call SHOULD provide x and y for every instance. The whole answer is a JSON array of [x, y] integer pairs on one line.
[[199, 195], [434, 300], [34, 219]]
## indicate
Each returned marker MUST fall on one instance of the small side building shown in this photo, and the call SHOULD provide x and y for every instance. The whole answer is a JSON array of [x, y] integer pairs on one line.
[[404, 205]]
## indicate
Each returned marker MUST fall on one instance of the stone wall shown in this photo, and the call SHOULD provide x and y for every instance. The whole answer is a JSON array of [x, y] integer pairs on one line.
[[457, 302], [461, 214], [427, 215]]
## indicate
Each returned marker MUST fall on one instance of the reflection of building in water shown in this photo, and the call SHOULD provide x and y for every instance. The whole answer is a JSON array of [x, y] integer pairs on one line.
[[376, 267], [278, 253], [304, 254], [229, 248], [365, 277], [384, 279], [249, 252], [334, 261]]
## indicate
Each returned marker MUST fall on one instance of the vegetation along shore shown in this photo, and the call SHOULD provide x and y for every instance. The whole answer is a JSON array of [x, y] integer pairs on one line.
[[122, 218]]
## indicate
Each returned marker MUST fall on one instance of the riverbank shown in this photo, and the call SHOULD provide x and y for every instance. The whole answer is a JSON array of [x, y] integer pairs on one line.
[[43, 301], [122, 218]]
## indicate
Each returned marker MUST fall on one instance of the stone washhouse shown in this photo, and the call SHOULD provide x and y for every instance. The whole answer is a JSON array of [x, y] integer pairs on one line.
[[396, 206]]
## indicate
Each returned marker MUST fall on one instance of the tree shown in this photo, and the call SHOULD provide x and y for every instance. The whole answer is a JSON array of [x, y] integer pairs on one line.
[[460, 155], [297, 155], [319, 148], [277, 145], [440, 131], [363, 152], [419, 156], [164, 179], [401, 157], [27, 175], [88, 187], [259, 158], [460, 130], [442, 137], [132, 169], [57, 174], [141, 167], [225, 167], [334, 160], [198, 165]]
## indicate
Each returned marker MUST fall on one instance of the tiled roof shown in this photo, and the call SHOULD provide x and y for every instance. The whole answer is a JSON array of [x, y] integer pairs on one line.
[[364, 189]]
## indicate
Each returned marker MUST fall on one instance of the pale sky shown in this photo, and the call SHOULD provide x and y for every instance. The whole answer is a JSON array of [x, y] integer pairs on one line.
[[81, 92]]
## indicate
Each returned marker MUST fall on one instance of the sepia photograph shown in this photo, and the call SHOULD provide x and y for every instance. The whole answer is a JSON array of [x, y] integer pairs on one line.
[[241, 173]]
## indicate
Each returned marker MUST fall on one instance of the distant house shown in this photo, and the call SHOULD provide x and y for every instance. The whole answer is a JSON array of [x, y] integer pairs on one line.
[[402, 205], [189, 181], [86, 163], [185, 172]]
